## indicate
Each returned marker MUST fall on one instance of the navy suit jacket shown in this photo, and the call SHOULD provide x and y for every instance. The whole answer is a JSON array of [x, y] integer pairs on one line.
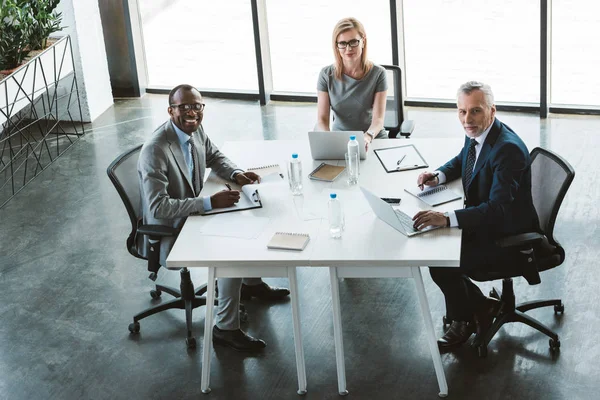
[[498, 200]]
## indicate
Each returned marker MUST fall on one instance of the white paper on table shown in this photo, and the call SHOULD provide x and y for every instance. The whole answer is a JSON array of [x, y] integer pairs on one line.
[[353, 204], [235, 225]]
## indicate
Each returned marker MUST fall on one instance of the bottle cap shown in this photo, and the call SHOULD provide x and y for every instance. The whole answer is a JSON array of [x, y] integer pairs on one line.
[[294, 155], [352, 137], [332, 195]]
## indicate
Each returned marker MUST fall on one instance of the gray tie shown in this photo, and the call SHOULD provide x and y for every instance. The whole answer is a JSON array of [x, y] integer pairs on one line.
[[195, 168], [470, 164]]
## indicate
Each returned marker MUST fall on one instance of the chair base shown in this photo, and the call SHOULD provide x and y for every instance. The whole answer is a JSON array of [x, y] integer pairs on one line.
[[186, 298], [511, 312]]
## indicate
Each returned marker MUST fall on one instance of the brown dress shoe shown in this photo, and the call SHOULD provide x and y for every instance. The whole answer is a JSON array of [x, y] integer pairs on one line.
[[458, 333], [484, 318], [237, 339], [263, 291]]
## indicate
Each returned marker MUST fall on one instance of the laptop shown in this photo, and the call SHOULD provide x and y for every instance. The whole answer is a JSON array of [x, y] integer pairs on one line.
[[393, 217], [334, 144]]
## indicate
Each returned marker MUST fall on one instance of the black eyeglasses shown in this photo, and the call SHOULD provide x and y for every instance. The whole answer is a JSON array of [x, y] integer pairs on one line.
[[188, 107], [352, 43]]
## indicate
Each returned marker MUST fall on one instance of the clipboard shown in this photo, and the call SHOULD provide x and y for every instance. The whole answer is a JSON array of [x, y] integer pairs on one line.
[[401, 158], [249, 199]]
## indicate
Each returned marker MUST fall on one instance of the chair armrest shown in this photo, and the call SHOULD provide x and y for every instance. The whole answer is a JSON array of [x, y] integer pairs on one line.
[[521, 240], [407, 127], [157, 230]]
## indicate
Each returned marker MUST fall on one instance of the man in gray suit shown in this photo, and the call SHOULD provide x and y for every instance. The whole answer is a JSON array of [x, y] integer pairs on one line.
[[171, 168]]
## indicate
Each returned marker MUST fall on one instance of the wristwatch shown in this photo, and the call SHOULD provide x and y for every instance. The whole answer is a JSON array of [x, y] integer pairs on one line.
[[447, 219], [370, 134]]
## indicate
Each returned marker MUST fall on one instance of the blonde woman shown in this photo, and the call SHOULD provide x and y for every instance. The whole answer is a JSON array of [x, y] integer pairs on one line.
[[353, 88]]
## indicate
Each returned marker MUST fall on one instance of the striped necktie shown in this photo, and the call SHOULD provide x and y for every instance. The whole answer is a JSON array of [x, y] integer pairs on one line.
[[468, 175], [195, 167]]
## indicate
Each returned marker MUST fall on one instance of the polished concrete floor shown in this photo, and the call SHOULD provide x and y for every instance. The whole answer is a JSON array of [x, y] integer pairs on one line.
[[69, 288]]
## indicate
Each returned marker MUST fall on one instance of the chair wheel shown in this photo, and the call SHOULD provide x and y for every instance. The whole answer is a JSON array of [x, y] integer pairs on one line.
[[134, 327], [482, 351], [560, 308], [190, 342], [554, 345], [446, 321], [155, 294]]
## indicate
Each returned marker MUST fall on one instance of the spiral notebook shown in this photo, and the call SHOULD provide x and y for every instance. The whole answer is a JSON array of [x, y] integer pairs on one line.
[[288, 241], [266, 170], [434, 196], [326, 172]]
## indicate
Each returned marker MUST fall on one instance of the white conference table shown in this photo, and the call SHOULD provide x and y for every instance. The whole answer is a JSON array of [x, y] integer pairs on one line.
[[368, 248]]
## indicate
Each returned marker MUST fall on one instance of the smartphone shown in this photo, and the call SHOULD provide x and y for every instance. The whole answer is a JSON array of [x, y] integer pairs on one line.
[[391, 200]]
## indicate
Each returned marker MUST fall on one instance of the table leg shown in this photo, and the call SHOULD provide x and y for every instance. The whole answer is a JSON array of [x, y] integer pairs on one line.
[[300, 365], [208, 323], [431, 340], [337, 331]]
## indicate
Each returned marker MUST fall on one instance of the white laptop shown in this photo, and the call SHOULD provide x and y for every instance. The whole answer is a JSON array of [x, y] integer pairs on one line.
[[333, 145], [393, 217]]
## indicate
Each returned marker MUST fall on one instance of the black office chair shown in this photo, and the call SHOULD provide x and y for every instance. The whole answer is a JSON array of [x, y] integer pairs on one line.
[[551, 177], [124, 176], [394, 121]]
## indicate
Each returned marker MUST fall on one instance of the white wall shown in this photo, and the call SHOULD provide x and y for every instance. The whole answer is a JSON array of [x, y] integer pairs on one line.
[[82, 21]]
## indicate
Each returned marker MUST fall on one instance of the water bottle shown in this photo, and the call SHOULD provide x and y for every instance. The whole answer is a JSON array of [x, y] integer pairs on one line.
[[295, 175], [352, 163], [336, 216]]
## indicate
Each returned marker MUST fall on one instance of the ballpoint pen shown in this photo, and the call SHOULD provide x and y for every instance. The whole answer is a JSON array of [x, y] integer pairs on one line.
[[429, 179], [228, 186], [401, 159]]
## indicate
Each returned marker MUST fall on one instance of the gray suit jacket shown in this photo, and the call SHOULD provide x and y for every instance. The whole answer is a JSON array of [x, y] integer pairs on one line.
[[165, 183]]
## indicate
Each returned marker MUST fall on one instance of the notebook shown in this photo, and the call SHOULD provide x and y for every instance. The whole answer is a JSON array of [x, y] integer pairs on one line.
[[435, 195], [326, 172], [288, 241], [266, 170]]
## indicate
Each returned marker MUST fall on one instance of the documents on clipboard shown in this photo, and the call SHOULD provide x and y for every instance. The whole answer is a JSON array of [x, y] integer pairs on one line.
[[400, 158], [249, 199]]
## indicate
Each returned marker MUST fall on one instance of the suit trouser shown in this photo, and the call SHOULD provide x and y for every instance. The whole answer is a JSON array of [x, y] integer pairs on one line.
[[228, 317], [463, 297]]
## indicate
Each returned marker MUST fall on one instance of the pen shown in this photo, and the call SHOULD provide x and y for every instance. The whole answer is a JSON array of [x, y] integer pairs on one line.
[[228, 186], [429, 179], [400, 160]]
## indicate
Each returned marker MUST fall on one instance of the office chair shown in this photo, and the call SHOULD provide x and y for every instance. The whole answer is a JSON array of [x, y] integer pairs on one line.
[[124, 176], [551, 177], [394, 121]]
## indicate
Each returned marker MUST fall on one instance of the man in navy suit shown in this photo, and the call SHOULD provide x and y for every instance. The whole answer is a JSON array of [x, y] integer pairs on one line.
[[494, 165]]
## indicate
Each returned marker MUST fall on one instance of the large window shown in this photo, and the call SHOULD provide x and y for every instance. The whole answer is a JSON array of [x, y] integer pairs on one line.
[[209, 44], [300, 37], [575, 53], [448, 42]]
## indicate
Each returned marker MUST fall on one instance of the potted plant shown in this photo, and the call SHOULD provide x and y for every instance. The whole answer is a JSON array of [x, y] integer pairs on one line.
[[46, 21], [15, 30]]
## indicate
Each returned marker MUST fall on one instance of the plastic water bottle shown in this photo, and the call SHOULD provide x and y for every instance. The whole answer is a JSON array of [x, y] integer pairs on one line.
[[336, 216], [353, 160], [295, 175]]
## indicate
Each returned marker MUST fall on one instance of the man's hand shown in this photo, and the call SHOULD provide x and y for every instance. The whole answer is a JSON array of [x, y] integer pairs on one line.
[[224, 198], [424, 219], [368, 140], [427, 179], [246, 178]]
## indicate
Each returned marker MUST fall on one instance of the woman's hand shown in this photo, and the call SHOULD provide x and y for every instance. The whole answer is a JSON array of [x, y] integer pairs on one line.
[[368, 140]]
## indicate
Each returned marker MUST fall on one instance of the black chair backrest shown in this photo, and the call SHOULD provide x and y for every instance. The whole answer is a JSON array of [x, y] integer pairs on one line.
[[551, 177], [124, 176], [394, 109]]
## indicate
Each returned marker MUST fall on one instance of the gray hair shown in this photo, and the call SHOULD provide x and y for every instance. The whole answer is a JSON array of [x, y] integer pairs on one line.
[[468, 87]]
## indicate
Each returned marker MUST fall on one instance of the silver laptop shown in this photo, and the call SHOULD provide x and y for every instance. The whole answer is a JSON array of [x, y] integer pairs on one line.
[[394, 218], [333, 145]]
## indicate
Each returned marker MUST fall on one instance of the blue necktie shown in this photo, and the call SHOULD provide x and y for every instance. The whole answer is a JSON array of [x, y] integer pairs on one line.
[[468, 175]]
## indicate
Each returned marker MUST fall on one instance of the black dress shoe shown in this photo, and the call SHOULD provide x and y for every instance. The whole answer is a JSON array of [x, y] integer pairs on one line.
[[458, 333], [484, 318], [237, 340], [263, 291]]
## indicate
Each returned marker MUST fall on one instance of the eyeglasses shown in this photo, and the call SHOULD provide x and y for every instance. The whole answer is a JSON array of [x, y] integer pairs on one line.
[[352, 43], [188, 107]]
